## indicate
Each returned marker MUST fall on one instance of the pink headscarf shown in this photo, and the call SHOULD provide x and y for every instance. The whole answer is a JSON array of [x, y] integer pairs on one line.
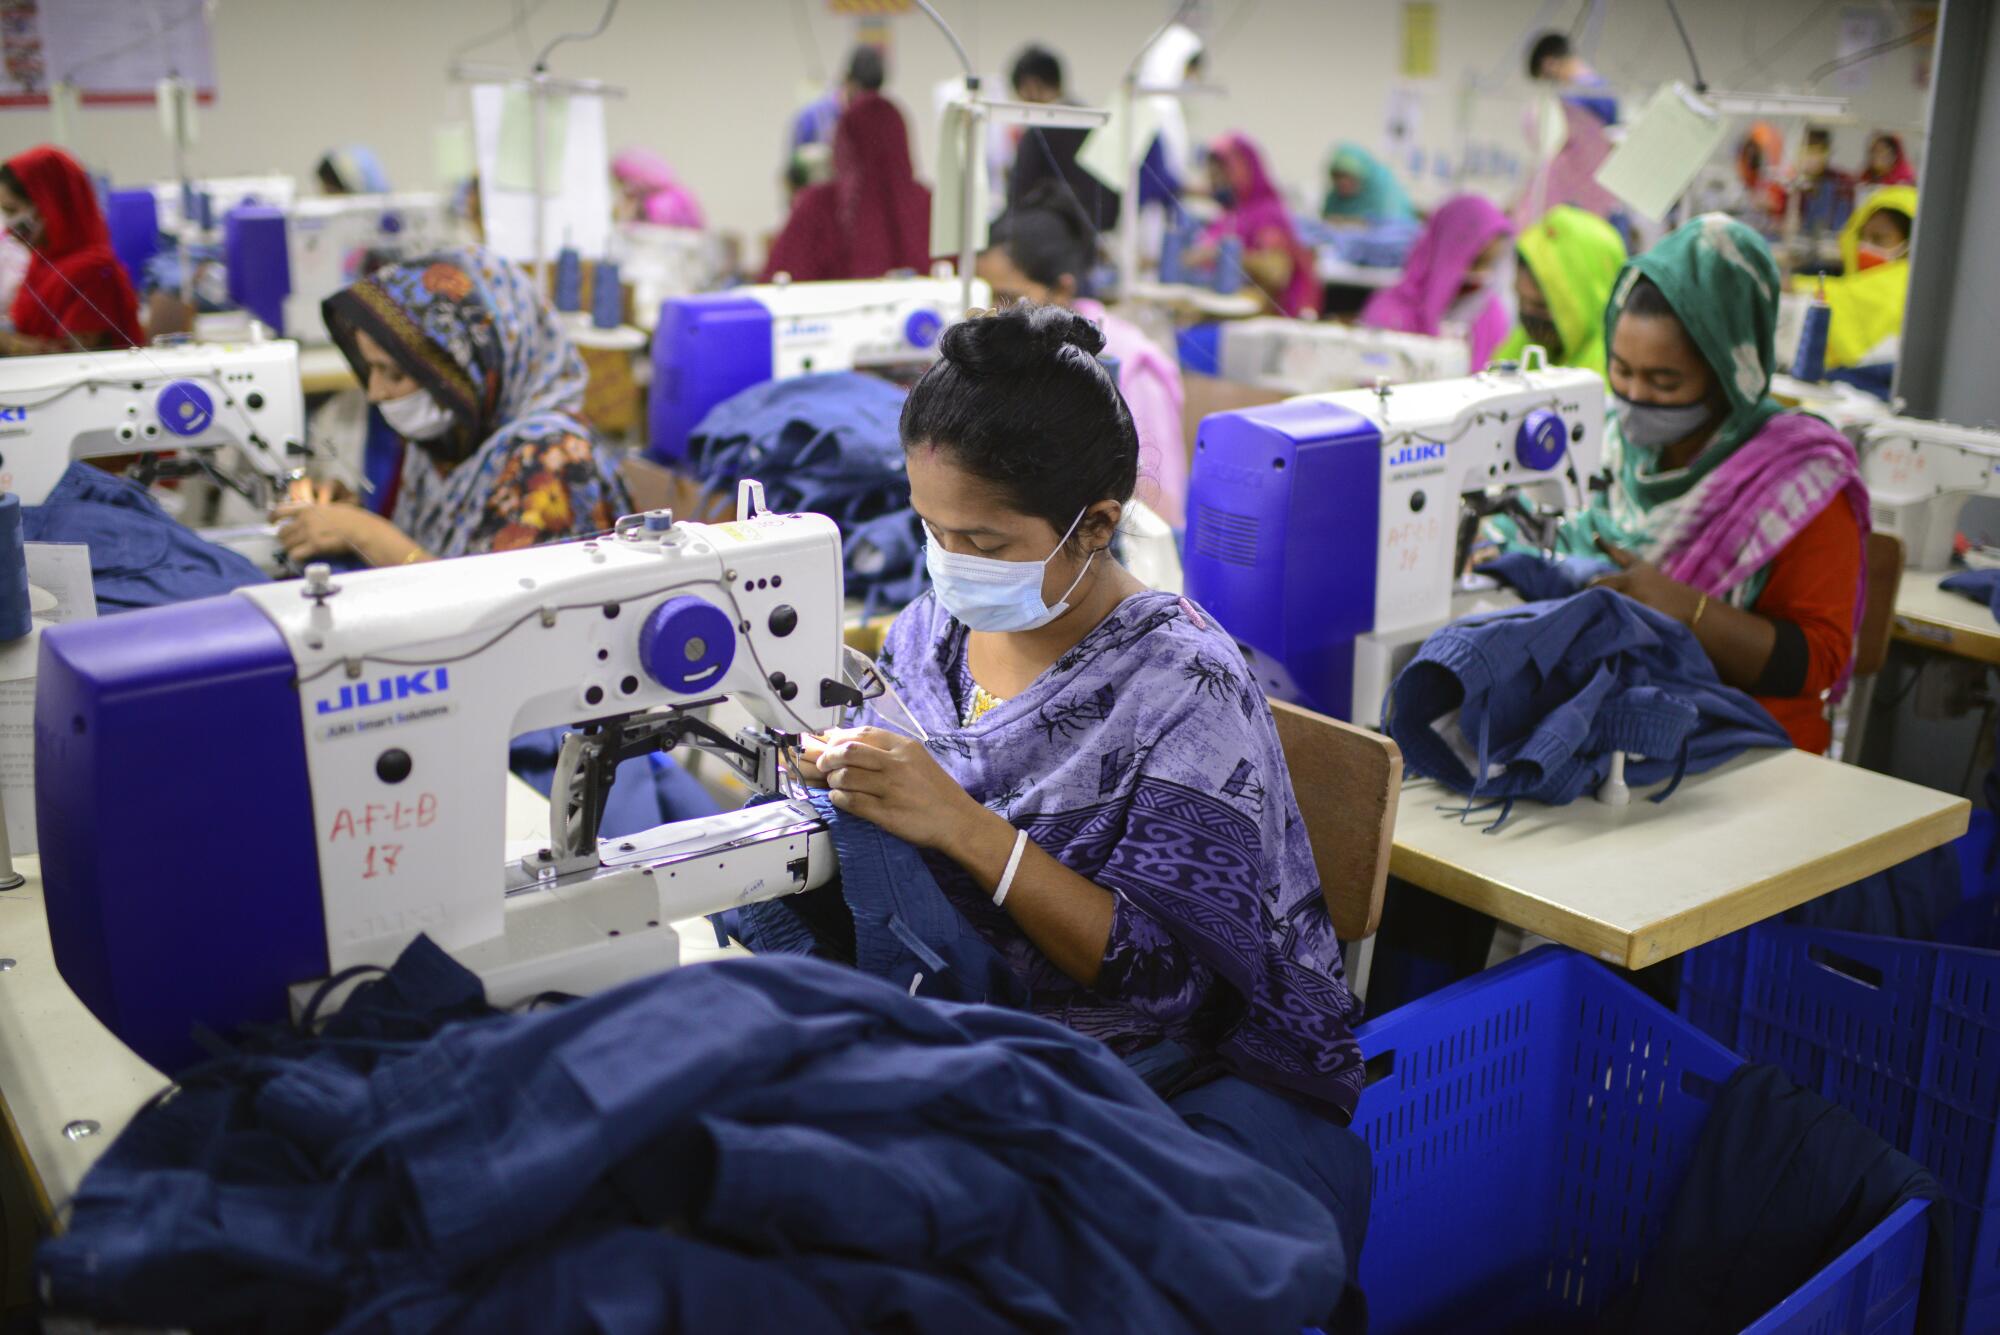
[[668, 203], [1258, 217], [1429, 288]]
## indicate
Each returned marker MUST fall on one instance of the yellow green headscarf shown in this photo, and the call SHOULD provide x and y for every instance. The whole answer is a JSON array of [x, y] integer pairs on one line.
[[1575, 256], [1867, 303]]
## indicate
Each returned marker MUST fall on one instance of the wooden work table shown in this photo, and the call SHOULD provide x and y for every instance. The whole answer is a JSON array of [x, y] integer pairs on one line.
[[1638, 884], [1947, 622]]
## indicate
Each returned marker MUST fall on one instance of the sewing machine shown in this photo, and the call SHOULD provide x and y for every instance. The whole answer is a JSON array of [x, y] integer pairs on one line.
[[711, 346], [1919, 477], [1329, 532], [358, 725], [283, 261], [1309, 358], [175, 203], [189, 402]]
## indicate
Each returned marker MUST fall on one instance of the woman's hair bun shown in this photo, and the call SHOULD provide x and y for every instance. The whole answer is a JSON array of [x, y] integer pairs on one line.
[[1016, 338]]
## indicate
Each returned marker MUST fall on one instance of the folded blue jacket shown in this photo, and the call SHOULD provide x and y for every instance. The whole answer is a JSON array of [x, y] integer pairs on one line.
[[750, 1144], [1982, 586], [1539, 579], [829, 444], [1532, 702], [140, 556]]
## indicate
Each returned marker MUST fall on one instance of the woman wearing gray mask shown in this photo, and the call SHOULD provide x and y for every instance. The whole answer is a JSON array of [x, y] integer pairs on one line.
[[1742, 521]]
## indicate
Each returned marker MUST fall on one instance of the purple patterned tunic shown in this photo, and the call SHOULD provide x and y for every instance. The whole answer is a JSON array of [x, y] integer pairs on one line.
[[1145, 760]]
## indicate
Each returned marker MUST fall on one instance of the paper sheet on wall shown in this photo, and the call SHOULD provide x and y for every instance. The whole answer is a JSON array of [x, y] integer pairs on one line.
[[1860, 29], [948, 199], [1663, 151], [1103, 151], [59, 580], [1420, 36], [112, 51], [576, 208]]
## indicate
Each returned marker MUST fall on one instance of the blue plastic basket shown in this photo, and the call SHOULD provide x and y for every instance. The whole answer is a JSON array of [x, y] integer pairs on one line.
[[1530, 1128], [1903, 1034]]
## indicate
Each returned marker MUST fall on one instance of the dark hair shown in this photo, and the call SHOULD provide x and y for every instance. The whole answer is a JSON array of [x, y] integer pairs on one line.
[[1039, 63], [1019, 399], [13, 182], [1904, 223], [1047, 235], [866, 69], [1549, 46], [1819, 136]]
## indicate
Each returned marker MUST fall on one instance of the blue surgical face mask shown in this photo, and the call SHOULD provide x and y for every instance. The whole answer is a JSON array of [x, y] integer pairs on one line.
[[1654, 426], [993, 595]]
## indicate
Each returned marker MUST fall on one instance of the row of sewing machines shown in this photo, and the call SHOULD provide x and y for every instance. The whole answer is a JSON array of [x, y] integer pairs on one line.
[[360, 722]]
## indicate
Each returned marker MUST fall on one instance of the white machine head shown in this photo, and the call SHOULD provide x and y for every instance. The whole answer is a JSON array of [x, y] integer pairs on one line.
[[1307, 358], [358, 726], [284, 261], [231, 411], [1919, 477]]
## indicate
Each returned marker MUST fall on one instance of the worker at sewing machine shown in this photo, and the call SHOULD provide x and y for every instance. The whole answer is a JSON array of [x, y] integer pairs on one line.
[[1450, 278], [1867, 300], [1042, 249], [351, 169], [1742, 521], [462, 355], [1102, 792], [1274, 258], [75, 296], [1362, 191], [872, 217], [1564, 269]]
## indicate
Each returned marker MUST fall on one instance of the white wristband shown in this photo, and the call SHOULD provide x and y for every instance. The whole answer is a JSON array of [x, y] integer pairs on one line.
[[1013, 865]]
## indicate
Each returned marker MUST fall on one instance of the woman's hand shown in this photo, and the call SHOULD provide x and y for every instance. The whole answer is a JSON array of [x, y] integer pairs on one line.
[[1644, 582], [307, 531], [894, 782]]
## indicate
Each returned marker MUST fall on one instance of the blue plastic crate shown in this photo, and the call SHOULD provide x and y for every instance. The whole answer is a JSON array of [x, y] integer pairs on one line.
[[1530, 1128]]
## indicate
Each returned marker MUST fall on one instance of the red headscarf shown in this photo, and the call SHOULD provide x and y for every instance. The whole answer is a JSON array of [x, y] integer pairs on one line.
[[873, 216], [1900, 174], [74, 285]]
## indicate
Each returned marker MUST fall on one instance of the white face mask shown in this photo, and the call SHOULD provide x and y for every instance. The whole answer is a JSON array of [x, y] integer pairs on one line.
[[416, 415], [993, 595]]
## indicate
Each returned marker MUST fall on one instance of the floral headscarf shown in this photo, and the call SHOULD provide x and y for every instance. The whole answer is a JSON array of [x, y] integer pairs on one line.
[[520, 467]]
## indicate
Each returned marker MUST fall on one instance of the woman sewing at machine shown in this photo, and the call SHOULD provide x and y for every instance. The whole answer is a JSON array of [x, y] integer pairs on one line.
[[1449, 278], [872, 217], [75, 295], [1102, 794], [464, 359], [1744, 522], [1564, 266], [1042, 248], [1274, 258]]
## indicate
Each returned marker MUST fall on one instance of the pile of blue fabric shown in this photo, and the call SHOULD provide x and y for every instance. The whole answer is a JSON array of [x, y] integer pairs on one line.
[[1382, 245], [1532, 702], [827, 444], [752, 1144], [140, 556], [1982, 586]]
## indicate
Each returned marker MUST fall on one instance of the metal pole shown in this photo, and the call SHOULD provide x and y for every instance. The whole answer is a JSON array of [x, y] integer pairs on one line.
[[975, 162], [536, 169], [1128, 221]]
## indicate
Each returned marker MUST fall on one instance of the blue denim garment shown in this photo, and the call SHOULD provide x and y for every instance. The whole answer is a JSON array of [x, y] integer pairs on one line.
[[885, 916], [140, 556], [1982, 586], [1532, 702], [751, 1144]]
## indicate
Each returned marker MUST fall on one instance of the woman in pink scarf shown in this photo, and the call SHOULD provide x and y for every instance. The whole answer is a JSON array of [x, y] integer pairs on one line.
[[1255, 214], [1449, 278], [650, 192]]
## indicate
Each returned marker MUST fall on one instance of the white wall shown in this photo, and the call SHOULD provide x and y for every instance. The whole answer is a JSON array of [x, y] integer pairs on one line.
[[712, 83]]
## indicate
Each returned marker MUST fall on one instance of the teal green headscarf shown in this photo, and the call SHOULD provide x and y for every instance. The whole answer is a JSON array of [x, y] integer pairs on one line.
[[1382, 198]]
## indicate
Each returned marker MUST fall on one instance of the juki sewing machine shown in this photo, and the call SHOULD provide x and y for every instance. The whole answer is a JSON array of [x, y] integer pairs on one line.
[[284, 261], [1919, 477], [192, 403], [1313, 358], [359, 725], [713, 345], [1329, 533]]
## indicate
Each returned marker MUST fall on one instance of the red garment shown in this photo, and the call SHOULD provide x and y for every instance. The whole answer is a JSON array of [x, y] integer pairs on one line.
[[75, 285], [872, 217], [1812, 585]]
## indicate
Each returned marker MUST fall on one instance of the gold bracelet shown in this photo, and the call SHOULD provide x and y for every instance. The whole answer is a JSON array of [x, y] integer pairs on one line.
[[417, 553], [1699, 608]]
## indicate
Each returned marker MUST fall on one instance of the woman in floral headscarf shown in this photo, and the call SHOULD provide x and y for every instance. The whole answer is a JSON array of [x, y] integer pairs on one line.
[[464, 359]]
